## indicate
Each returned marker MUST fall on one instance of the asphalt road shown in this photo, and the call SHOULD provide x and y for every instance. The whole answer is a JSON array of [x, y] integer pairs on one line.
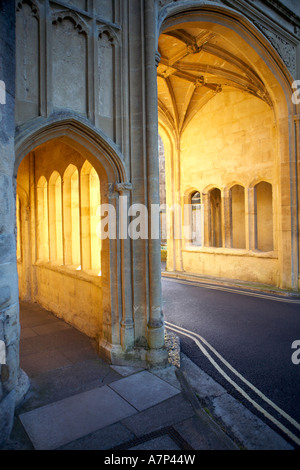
[[254, 335]]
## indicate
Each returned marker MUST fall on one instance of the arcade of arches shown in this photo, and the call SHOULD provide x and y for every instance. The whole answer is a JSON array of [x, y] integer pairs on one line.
[[58, 250]]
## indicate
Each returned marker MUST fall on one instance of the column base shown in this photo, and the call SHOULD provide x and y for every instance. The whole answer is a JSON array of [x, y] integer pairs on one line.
[[157, 358], [137, 357]]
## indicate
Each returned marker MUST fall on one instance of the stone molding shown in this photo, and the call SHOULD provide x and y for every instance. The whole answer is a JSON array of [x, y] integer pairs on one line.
[[122, 187], [62, 124], [112, 35]]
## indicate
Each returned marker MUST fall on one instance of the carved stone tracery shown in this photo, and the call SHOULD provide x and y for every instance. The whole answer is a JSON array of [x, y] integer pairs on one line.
[[32, 5], [285, 49], [75, 18]]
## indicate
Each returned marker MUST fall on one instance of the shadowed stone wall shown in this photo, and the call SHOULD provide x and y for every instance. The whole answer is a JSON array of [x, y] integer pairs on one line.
[[11, 390]]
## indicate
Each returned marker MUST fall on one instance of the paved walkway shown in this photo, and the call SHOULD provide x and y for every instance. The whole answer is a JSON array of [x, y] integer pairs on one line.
[[76, 401]]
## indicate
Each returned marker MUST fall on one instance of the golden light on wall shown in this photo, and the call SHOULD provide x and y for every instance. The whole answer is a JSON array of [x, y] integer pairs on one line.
[[58, 250], [216, 120], [55, 216], [42, 220]]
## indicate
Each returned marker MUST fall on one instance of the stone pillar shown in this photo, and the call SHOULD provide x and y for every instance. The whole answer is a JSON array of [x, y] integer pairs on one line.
[[247, 220], [127, 322], [227, 222], [13, 383], [178, 210], [157, 354], [252, 218], [206, 206], [175, 213]]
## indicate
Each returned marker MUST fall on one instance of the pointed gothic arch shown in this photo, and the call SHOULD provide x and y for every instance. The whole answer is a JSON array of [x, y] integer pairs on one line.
[[101, 161], [273, 78]]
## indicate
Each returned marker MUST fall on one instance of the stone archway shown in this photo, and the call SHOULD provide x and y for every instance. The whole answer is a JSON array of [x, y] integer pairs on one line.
[[53, 150], [205, 53]]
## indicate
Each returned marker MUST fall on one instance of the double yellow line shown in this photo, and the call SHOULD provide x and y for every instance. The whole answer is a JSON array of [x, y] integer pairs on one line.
[[200, 342]]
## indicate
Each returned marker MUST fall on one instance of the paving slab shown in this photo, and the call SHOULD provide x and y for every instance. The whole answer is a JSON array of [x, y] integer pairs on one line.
[[165, 414], [57, 384], [35, 364], [144, 390], [103, 439], [65, 339], [51, 327], [59, 423], [168, 374]]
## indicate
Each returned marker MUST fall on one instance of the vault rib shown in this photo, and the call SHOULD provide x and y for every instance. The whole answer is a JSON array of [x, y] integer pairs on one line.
[[173, 101]]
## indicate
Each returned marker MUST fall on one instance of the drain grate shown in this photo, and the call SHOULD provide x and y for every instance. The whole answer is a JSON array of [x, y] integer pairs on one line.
[[168, 431]]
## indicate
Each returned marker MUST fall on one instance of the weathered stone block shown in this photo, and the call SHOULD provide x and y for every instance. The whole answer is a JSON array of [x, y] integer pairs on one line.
[[11, 368], [9, 278], [7, 212], [4, 295], [7, 248], [1, 329], [6, 203], [22, 388], [7, 406], [11, 325], [4, 373]]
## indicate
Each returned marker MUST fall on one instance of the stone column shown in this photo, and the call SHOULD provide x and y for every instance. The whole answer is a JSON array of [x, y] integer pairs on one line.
[[13, 383], [252, 218], [206, 206], [247, 219], [227, 231], [127, 322], [175, 212], [178, 209], [157, 354]]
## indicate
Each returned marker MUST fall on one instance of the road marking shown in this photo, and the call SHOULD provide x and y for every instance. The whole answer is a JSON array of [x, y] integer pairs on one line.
[[234, 371], [232, 290], [194, 337]]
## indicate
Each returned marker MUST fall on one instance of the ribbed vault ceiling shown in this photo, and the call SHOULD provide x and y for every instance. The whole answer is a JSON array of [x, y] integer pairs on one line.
[[195, 66]]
